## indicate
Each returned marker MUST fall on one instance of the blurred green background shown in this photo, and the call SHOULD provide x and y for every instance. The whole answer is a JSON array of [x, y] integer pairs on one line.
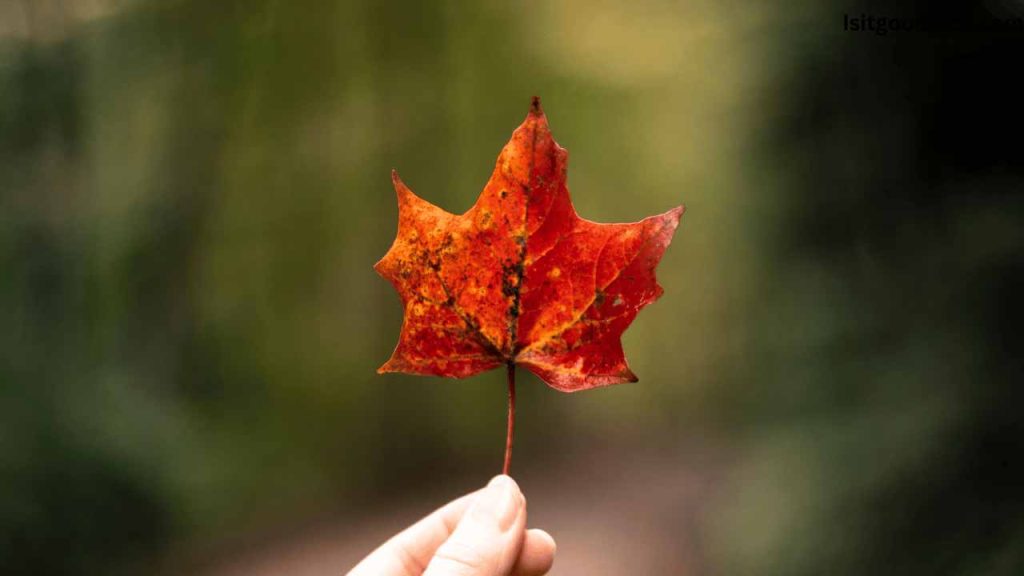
[[193, 193]]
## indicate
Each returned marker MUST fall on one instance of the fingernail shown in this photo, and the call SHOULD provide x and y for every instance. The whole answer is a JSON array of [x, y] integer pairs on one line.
[[499, 501]]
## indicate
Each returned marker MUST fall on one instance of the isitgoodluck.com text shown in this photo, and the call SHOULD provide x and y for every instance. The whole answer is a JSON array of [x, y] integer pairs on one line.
[[884, 25]]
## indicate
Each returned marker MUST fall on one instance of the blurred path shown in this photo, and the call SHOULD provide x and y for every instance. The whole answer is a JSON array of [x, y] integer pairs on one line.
[[612, 513]]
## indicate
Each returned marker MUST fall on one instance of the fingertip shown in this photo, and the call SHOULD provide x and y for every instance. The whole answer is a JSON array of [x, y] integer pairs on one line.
[[544, 538], [502, 479], [537, 555]]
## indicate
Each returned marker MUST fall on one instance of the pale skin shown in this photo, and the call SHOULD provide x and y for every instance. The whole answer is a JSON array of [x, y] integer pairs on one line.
[[480, 534]]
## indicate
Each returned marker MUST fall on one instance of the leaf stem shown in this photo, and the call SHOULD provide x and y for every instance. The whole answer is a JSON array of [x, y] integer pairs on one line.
[[511, 417]]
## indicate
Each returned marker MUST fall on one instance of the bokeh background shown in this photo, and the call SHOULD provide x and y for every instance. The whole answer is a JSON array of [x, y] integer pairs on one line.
[[193, 192]]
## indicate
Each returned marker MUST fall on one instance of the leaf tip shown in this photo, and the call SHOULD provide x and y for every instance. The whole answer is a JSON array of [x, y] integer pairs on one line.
[[388, 367], [535, 108], [400, 188], [671, 219], [677, 212]]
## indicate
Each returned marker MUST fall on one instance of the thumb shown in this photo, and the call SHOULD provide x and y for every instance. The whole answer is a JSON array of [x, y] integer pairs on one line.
[[488, 538]]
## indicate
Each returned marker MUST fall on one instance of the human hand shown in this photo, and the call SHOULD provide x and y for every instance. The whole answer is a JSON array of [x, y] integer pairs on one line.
[[480, 534]]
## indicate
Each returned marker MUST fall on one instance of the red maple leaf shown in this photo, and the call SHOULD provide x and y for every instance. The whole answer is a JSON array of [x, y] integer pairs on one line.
[[520, 278]]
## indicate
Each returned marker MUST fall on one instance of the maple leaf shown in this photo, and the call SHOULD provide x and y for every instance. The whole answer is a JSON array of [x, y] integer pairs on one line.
[[520, 278]]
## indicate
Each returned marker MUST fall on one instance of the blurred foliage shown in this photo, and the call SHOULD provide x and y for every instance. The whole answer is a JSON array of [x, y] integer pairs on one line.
[[886, 422], [192, 195]]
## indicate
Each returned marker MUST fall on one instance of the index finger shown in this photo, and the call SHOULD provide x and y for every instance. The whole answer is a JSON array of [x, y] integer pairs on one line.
[[409, 552]]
